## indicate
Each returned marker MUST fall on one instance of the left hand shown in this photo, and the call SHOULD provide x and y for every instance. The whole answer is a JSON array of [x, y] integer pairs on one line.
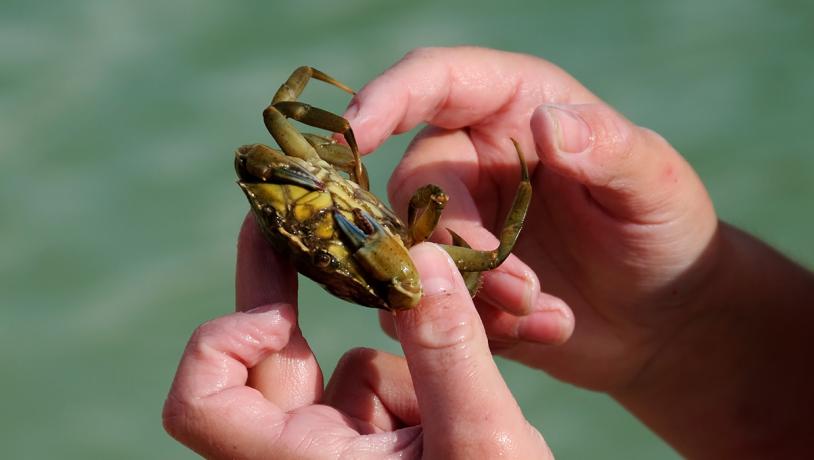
[[249, 386], [620, 230]]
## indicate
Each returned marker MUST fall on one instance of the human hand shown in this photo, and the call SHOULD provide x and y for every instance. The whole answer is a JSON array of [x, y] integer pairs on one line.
[[248, 385], [620, 227]]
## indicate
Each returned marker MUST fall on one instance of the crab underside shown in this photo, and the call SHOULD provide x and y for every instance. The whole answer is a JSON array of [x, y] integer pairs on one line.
[[311, 199]]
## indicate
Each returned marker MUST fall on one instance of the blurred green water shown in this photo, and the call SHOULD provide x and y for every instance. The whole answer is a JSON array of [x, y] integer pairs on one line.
[[118, 209]]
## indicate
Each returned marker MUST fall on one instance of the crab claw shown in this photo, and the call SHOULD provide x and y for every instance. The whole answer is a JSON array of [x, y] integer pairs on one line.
[[384, 258], [355, 235], [258, 162], [297, 175]]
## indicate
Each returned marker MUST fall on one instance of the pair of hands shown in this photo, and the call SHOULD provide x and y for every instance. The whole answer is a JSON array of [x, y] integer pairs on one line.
[[620, 231]]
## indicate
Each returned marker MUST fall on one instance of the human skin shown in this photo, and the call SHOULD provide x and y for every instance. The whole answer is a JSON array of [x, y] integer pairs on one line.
[[697, 328], [249, 387]]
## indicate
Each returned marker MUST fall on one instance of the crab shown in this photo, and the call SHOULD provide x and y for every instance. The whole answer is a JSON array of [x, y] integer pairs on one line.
[[311, 200]]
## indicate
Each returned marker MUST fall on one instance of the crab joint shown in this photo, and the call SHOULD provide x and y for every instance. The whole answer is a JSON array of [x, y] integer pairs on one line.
[[385, 258]]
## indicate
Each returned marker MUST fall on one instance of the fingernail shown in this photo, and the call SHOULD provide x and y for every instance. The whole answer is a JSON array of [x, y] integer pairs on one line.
[[352, 110], [515, 294], [443, 319], [573, 133], [552, 321], [436, 276], [262, 308], [550, 327]]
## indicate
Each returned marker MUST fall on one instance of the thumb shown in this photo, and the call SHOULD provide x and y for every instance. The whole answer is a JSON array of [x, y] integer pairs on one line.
[[467, 411], [632, 172]]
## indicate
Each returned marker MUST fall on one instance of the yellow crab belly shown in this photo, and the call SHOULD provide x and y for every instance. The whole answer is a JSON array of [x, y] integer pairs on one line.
[[300, 223]]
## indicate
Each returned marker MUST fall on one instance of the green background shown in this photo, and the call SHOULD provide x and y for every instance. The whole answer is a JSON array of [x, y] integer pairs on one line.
[[118, 208]]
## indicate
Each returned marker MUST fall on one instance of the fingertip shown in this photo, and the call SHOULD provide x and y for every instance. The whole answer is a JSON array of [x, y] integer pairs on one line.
[[595, 145], [388, 324], [512, 287], [445, 315], [369, 136], [543, 131], [210, 408], [565, 137], [631, 172], [552, 322], [376, 112], [220, 351], [353, 109], [448, 354], [562, 128], [374, 387], [262, 276]]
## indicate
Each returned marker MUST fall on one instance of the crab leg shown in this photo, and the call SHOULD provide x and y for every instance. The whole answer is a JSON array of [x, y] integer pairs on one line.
[[473, 280], [285, 104], [323, 119], [424, 211], [471, 260], [292, 88], [337, 155], [288, 138], [257, 162]]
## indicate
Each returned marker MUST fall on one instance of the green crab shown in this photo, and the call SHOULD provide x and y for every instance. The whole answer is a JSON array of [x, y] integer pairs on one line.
[[331, 227]]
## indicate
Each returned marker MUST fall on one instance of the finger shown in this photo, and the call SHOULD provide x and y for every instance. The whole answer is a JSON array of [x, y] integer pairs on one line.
[[375, 387], [477, 206], [446, 158], [291, 378], [512, 287], [387, 323], [550, 323], [466, 408], [632, 173], [456, 87], [209, 407], [263, 276]]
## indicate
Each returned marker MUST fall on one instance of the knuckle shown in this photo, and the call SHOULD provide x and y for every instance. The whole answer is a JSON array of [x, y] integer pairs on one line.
[[443, 327], [355, 359], [203, 333], [240, 335], [208, 332], [175, 417]]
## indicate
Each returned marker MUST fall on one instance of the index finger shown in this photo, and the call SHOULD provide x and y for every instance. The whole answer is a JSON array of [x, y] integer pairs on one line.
[[265, 277], [262, 276], [456, 87], [466, 407], [210, 408]]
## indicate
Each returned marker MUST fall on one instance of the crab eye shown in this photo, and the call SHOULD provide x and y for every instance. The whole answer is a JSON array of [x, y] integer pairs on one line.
[[322, 259]]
